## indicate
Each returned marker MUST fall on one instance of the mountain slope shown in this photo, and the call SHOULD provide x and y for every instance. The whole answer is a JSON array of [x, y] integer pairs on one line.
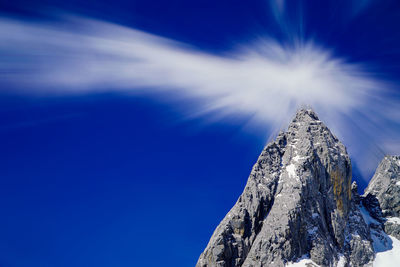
[[384, 187], [297, 204]]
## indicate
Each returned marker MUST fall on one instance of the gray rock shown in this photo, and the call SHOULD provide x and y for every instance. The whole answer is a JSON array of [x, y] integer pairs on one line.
[[358, 245], [385, 186], [382, 196], [297, 203]]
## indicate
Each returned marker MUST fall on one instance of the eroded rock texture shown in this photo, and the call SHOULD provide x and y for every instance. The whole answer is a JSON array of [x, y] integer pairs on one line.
[[297, 203], [382, 196]]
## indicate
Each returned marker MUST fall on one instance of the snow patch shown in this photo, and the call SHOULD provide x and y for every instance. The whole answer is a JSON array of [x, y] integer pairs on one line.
[[380, 241], [315, 215], [303, 262], [297, 158], [398, 183], [395, 220], [389, 258], [367, 218], [291, 169], [341, 262]]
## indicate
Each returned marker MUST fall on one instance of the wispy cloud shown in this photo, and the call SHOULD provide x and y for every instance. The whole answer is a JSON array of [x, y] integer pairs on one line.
[[264, 79]]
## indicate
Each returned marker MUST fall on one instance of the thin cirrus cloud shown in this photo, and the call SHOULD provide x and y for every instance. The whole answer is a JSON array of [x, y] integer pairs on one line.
[[265, 80]]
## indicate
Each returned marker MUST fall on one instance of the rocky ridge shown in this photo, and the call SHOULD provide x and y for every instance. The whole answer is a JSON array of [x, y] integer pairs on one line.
[[299, 203], [382, 196]]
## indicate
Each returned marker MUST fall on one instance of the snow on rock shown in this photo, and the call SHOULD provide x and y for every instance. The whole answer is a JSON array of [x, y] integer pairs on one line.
[[297, 158], [291, 169], [275, 236], [389, 258], [303, 262], [341, 262], [367, 218], [395, 220]]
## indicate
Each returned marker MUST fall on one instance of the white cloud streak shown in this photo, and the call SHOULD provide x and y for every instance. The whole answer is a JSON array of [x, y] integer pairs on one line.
[[266, 80]]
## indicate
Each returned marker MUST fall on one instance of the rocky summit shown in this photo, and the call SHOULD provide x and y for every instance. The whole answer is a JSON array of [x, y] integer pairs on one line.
[[299, 206]]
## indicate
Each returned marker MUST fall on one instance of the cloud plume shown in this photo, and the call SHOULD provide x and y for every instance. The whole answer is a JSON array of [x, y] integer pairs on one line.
[[264, 79]]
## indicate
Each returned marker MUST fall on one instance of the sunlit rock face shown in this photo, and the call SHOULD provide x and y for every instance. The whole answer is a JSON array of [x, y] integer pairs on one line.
[[383, 195], [297, 204]]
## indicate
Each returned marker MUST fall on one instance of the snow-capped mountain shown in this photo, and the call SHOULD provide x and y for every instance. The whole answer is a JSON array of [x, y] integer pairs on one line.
[[300, 207]]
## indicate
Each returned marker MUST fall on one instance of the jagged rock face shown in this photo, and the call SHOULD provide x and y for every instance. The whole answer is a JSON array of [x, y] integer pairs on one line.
[[297, 201], [385, 186], [382, 196], [358, 245]]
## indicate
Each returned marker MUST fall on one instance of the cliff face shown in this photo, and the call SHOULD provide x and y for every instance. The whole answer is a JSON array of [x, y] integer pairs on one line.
[[297, 203], [382, 196]]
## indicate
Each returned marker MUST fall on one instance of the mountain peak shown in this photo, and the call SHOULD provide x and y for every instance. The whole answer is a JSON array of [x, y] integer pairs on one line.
[[295, 203], [305, 115], [299, 205]]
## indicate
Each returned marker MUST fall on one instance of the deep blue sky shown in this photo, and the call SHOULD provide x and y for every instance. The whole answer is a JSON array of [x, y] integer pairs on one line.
[[115, 180]]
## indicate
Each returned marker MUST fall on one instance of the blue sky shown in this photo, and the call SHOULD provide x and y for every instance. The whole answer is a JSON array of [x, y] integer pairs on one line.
[[109, 170]]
